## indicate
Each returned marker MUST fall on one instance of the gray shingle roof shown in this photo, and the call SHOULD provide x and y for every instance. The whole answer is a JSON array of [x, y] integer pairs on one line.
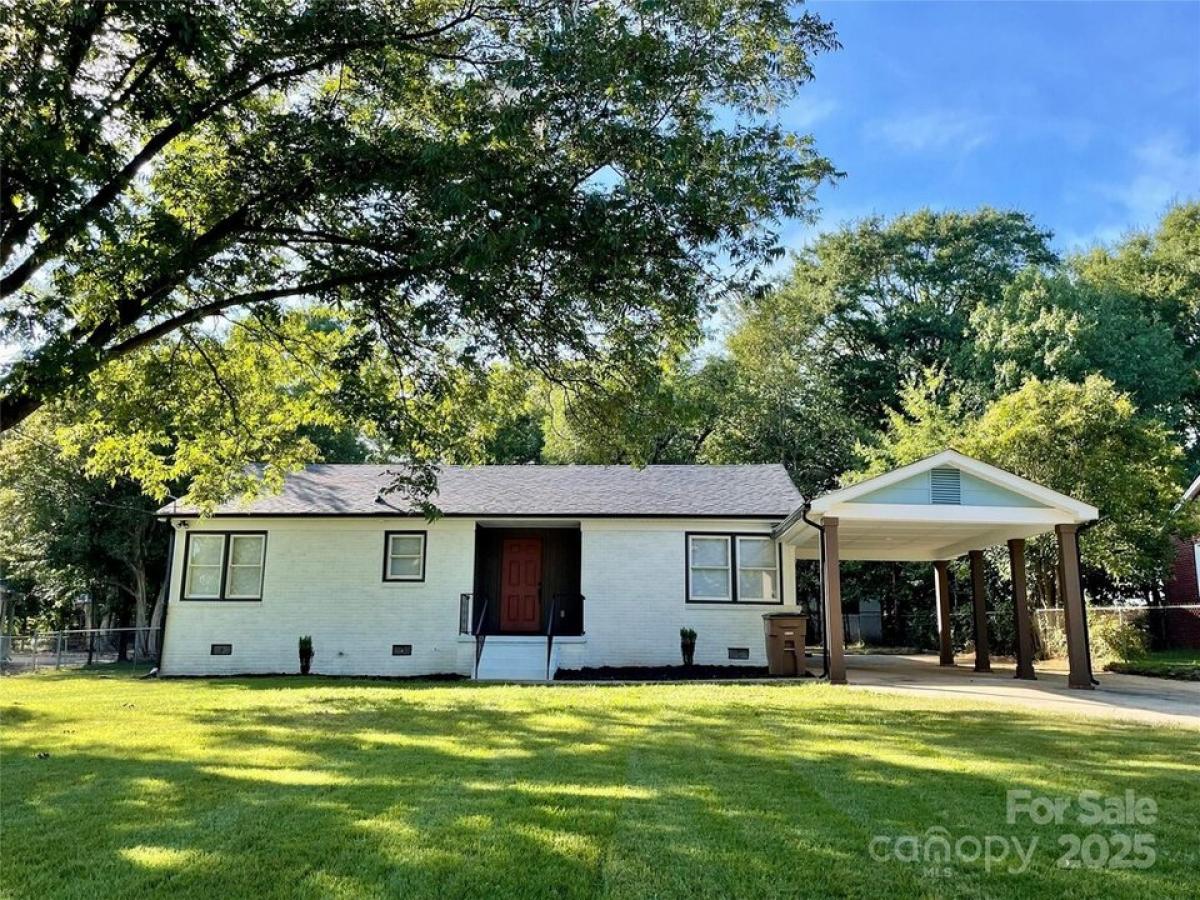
[[737, 491]]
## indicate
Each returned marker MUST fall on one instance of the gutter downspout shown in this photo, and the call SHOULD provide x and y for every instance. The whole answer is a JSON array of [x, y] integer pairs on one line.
[[168, 576], [804, 510]]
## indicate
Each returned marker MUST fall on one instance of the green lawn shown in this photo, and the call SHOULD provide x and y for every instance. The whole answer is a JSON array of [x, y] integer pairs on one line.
[[316, 788], [1179, 664]]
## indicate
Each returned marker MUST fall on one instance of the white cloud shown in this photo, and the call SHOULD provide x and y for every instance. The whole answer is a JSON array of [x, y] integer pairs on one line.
[[934, 130], [801, 114], [1167, 171]]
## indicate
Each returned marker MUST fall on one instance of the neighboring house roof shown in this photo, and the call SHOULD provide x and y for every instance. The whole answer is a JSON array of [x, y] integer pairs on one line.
[[758, 491], [1193, 492]]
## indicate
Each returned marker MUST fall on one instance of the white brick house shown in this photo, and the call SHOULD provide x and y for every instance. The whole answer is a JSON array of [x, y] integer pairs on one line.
[[531, 569], [612, 560]]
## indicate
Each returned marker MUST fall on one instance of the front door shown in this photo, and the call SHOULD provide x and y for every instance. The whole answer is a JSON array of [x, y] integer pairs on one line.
[[521, 584]]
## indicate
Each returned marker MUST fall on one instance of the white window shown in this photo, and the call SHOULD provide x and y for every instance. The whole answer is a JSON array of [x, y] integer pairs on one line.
[[224, 566], [243, 580], [709, 568], [756, 569], [206, 554], [404, 556]]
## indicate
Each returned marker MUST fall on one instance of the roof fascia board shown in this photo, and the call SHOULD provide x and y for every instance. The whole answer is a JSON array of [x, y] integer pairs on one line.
[[957, 515]]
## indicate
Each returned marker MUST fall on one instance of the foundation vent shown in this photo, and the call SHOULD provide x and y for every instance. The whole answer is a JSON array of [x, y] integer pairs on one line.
[[945, 487]]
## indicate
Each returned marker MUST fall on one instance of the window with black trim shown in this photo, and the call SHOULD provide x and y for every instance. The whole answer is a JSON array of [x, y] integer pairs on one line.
[[709, 568], [404, 556], [756, 569], [224, 565], [731, 568]]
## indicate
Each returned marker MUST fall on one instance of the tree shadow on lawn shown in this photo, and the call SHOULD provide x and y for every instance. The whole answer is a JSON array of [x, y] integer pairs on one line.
[[536, 792]]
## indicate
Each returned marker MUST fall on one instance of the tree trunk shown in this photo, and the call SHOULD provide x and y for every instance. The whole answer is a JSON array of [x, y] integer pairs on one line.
[[1158, 620], [141, 648], [90, 613], [156, 617]]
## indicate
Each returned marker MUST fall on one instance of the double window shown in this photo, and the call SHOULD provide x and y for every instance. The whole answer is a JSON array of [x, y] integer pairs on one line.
[[404, 556], [731, 568], [225, 565]]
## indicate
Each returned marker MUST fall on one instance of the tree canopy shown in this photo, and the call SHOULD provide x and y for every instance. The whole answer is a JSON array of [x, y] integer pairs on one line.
[[519, 179]]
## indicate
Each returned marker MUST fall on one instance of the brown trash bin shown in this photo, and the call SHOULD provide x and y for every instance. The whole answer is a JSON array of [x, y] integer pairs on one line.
[[785, 642]]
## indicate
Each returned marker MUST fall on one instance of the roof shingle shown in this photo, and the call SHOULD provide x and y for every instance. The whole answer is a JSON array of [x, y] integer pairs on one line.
[[702, 491]]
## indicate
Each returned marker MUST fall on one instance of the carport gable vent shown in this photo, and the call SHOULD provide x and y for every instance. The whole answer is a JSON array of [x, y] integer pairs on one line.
[[945, 487]]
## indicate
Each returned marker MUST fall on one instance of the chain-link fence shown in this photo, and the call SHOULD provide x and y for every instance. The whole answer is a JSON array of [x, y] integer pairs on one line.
[[1162, 627], [102, 648]]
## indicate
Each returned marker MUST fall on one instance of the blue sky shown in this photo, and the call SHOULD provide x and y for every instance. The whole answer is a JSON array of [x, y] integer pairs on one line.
[[1085, 114]]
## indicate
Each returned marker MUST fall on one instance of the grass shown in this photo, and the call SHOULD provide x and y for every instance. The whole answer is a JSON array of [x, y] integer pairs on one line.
[[305, 787], [1183, 665]]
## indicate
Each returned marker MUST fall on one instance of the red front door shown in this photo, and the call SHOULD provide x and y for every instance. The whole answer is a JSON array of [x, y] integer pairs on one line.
[[521, 585]]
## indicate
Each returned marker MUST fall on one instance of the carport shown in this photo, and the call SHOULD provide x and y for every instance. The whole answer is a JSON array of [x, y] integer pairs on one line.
[[936, 510]]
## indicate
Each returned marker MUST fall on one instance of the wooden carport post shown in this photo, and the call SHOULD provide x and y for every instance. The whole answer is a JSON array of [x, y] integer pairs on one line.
[[1071, 590], [983, 659], [832, 578], [941, 585], [1021, 619]]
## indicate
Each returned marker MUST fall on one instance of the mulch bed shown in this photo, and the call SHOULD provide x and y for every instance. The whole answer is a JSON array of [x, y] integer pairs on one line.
[[662, 673]]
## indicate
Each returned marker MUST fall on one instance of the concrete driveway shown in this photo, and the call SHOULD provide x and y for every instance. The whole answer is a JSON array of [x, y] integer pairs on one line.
[[1129, 697]]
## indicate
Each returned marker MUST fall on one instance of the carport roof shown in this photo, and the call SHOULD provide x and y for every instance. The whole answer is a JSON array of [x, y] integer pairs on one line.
[[937, 508]]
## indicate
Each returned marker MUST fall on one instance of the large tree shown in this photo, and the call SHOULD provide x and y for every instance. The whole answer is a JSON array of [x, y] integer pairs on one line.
[[66, 534], [1063, 327], [524, 178], [1160, 270], [879, 301]]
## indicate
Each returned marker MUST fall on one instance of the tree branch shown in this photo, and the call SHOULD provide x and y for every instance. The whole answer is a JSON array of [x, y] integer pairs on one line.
[[20, 400], [73, 223]]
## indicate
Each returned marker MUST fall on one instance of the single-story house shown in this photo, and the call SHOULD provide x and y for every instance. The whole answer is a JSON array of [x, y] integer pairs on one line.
[[529, 569]]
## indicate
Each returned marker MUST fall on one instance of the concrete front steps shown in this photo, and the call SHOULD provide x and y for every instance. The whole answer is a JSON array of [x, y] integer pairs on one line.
[[508, 657]]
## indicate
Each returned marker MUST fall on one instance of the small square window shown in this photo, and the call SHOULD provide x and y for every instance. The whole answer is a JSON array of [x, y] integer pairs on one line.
[[404, 556], [221, 650]]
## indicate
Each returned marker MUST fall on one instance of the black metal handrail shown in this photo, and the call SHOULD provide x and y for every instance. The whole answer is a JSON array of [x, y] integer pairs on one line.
[[550, 633], [465, 609], [478, 631]]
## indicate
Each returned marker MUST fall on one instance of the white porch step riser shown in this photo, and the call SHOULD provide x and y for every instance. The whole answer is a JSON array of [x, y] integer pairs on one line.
[[519, 661]]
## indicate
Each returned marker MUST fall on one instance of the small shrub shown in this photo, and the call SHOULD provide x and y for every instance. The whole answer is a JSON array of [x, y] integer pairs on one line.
[[1123, 641], [1122, 637], [687, 645], [306, 653]]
